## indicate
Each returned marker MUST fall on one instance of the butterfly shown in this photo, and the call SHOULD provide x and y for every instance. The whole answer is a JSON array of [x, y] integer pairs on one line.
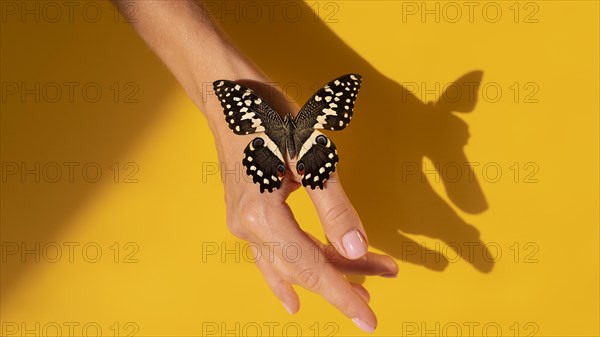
[[330, 108]]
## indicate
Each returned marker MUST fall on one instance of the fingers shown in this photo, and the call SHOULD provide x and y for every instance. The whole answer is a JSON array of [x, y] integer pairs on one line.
[[370, 264], [325, 280], [281, 288], [340, 221], [311, 270], [298, 260]]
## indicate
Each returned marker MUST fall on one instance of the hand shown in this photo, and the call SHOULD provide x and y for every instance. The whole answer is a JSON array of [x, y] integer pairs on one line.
[[266, 220], [197, 53]]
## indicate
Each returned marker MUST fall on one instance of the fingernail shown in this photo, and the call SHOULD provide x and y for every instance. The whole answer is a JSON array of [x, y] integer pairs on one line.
[[287, 308], [363, 325], [354, 244], [389, 275]]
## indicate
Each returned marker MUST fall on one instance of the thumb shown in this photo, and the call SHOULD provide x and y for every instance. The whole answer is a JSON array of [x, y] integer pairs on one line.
[[339, 218]]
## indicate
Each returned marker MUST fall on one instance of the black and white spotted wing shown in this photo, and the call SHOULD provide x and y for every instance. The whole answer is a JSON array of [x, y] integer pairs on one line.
[[317, 158], [330, 108], [244, 111], [264, 163]]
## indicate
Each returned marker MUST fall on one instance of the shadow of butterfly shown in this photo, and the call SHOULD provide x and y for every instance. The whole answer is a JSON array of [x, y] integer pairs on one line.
[[330, 108]]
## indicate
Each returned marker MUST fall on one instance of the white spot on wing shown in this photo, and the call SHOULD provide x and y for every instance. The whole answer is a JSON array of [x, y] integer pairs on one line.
[[257, 124], [328, 111], [320, 122], [247, 115]]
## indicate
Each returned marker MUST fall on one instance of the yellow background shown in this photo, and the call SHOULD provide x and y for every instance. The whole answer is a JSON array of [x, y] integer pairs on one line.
[[545, 226]]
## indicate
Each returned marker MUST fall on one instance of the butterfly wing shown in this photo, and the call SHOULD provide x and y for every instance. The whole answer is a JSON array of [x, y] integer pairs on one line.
[[317, 158], [245, 112], [264, 163], [332, 106]]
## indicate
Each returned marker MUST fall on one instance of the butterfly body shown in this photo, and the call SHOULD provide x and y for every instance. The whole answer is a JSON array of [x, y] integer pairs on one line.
[[316, 156]]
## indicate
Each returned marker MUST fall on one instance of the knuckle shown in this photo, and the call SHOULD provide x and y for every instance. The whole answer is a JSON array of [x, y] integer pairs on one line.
[[243, 218], [236, 228], [336, 214], [252, 216], [309, 277]]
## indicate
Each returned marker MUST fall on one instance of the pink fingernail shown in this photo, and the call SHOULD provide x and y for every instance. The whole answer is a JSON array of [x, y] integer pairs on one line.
[[288, 308], [363, 325], [354, 244]]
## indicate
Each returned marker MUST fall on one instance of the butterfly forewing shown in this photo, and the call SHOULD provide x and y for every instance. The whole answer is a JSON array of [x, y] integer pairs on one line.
[[332, 106], [245, 112]]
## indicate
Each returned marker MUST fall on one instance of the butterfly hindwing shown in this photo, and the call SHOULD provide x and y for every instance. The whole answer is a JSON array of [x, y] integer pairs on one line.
[[264, 163], [317, 158], [245, 112], [332, 106]]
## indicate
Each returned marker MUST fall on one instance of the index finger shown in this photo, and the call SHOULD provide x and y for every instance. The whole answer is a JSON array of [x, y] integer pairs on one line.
[[310, 268]]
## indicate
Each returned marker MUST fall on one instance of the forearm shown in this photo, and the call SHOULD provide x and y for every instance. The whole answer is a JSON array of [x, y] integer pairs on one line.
[[193, 48]]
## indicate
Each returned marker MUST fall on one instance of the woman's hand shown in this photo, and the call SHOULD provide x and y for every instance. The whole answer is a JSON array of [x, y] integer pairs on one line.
[[197, 54], [286, 254]]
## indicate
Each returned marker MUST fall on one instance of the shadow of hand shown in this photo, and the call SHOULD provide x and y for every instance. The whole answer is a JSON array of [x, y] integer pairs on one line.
[[393, 134]]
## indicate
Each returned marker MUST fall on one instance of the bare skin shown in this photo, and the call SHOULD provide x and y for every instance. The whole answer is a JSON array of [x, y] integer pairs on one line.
[[197, 53]]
